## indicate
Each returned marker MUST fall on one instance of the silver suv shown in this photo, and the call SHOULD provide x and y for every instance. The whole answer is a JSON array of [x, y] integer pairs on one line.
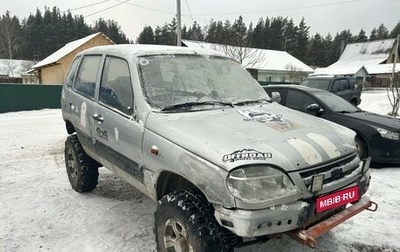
[[193, 130]]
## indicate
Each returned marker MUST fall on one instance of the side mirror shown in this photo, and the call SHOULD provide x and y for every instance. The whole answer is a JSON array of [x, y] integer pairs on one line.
[[276, 97], [315, 109]]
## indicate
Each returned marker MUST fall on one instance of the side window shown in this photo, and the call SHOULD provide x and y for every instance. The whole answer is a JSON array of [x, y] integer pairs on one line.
[[69, 79], [336, 86], [298, 100], [85, 82], [344, 85], [116, 86]]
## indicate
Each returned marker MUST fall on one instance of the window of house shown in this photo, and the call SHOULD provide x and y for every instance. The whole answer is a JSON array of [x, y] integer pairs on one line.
[[116, 86], [85, 82], [268, 78]]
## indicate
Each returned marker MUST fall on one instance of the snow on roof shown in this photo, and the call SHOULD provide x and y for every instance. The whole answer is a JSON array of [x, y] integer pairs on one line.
[[14, 68], [71, 46], [138, 50], [382, 69], [261, 59], [359, 55], [372, 51], [340, 70]]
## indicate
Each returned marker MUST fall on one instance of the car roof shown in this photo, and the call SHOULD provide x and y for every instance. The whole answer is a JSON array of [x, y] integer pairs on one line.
[[137, 50], [292, 86]]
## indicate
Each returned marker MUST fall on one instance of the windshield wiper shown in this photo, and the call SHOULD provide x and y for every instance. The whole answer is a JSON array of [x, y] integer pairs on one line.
[[249, 102], [189, 105], [345, 112]]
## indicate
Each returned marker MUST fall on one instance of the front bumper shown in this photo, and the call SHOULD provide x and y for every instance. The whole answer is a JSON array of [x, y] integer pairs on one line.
[[385, 152], [280, 218]]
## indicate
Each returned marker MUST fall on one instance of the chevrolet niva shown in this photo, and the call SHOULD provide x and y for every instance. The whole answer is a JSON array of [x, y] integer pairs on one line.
[[193, 130]]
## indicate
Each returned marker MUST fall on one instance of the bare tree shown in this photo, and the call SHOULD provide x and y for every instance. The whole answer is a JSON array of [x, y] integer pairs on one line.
[[393, 94], [10, 67], [9, 35], [294, 72], [393, 91], [246, 56]]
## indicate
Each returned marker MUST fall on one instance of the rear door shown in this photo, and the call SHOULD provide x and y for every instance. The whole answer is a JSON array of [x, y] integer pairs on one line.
[[83, 104], [118, 134]]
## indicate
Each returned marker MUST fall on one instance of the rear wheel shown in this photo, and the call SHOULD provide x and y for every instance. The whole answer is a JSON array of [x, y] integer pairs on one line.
[[361, 147], [82, 170], [184, 222]]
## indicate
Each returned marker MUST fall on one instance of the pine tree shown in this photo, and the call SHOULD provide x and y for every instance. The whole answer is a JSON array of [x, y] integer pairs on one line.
[[373, 35], [382, 32], [146, 36], [396, 31], [302, 42], [361, 36]]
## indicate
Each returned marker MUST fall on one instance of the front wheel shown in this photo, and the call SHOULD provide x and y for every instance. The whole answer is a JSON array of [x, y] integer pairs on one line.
[[361, 148], [184, 222]]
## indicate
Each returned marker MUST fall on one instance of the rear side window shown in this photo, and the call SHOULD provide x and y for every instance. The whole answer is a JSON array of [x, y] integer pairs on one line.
[[69, 80], [116, 86], [85, 82]]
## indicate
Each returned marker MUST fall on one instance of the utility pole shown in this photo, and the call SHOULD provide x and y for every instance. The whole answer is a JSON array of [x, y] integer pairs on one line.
[[396, 56], [178, 27]]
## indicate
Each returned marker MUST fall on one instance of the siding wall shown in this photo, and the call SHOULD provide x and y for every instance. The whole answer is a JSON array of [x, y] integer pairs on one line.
[[55, 74]]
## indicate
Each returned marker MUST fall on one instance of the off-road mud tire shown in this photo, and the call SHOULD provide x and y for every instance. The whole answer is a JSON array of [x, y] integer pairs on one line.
[[82, 170], [194, 218]]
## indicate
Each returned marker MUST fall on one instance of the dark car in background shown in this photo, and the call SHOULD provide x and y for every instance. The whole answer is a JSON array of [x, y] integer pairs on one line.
[[378, 136], [345, 87]]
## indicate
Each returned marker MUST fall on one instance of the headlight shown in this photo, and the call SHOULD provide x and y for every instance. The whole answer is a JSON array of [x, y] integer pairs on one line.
[[261, 183], [388, 134]]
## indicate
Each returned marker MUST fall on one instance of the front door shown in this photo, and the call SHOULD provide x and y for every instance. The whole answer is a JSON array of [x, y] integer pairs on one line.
[[118, 135]]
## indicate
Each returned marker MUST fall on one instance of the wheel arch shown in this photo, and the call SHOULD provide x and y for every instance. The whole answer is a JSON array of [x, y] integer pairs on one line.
[[70, 127], [168, 182]]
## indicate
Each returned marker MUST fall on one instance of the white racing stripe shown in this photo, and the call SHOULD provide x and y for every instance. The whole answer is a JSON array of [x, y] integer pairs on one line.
[[306, 150], [326, 144]]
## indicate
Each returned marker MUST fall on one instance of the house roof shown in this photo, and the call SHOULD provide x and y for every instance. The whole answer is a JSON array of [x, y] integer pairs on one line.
[[260, 59], [372, 52], [363, 54], [382, 69], [14, 68], [65, 50]]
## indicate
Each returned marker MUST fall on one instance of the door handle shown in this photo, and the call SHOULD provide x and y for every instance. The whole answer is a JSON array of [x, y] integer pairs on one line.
[[98, 117]]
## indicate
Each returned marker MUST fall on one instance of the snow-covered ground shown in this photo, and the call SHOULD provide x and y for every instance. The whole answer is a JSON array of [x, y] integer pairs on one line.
[[39, 211]]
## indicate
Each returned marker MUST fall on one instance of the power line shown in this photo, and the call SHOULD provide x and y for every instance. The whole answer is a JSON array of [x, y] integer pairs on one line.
[[115, 5], [189, 10], [85, 6], [148, 8], [287, 9]]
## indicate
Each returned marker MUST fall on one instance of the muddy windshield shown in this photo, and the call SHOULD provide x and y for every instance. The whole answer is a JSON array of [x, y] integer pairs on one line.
[[174, 80]]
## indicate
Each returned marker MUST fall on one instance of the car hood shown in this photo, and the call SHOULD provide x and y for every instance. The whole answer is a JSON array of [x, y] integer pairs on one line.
[[261, 134], [387, 122]]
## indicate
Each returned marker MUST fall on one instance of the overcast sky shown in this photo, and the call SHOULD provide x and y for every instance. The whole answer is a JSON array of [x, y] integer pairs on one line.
[[323, 16]]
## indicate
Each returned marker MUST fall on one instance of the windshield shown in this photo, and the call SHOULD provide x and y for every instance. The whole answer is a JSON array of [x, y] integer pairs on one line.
[[336, 103], [170, 80], [316, 83]]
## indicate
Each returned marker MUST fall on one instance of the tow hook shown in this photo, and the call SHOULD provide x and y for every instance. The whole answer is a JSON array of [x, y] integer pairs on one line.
[[308, 236]]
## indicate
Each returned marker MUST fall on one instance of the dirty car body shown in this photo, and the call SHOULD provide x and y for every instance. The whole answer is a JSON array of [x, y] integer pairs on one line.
[[198, 120]]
